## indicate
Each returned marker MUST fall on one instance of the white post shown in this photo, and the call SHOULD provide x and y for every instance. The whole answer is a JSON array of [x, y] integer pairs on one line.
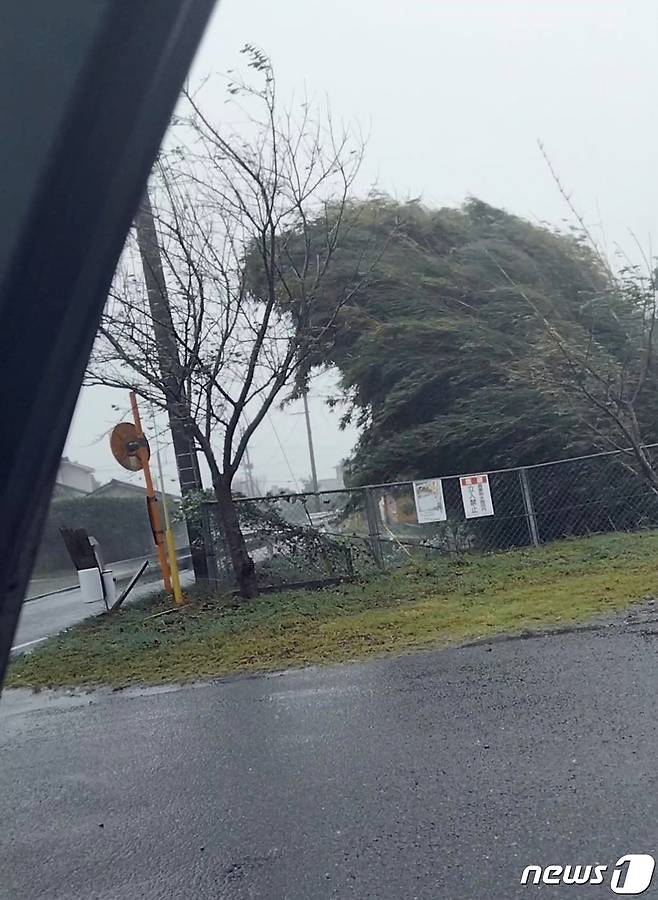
[[91, 588]]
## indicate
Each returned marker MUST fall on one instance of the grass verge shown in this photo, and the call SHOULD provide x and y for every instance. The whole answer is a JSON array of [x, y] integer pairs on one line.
[[428, 604]]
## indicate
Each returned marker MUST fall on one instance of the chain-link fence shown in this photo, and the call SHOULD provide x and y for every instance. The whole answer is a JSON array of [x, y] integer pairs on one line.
[[304, 539], [300, 539]]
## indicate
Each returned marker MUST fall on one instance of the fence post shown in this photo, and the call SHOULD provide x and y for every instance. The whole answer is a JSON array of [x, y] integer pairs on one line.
[[529, 508], [372, 516], [211, 550]]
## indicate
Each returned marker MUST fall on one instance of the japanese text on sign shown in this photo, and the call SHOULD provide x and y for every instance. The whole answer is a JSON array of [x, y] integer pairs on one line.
[[476, 496]]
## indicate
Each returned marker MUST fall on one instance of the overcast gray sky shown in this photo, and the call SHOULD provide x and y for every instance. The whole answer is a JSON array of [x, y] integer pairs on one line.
[[454, 96]]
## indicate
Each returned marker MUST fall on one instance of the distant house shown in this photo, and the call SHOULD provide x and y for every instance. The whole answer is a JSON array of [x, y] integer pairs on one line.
[[117, 488], [114, 513], [73, 479], [337, 483], [125, 489]]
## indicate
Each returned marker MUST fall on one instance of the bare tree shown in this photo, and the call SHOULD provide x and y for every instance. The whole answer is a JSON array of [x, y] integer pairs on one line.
[[229, 203], [602, 358]]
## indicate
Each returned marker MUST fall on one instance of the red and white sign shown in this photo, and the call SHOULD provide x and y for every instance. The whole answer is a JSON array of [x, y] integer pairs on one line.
[[476, 496]]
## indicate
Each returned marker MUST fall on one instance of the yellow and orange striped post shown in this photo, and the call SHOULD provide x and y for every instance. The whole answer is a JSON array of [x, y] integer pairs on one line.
[[151, 499]]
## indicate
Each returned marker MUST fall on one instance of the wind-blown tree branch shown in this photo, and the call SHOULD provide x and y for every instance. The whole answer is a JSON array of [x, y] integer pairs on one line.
[[604, 360], [612, 385], [444, 355], [222, 196]]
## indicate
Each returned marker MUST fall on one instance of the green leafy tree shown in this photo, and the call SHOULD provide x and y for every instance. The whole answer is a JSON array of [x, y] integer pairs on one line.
[[470, 342]]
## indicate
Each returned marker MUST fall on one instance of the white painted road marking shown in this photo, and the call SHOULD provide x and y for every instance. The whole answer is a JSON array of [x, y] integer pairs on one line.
[[29, 643]]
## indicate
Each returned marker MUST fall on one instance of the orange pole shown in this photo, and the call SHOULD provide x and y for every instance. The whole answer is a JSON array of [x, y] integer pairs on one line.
[[151, 499]]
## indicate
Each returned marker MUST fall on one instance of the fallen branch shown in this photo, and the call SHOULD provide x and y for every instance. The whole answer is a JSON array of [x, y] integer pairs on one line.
[[163, 612], [131, 584]]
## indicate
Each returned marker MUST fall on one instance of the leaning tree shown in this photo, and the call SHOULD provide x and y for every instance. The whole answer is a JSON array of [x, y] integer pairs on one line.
[[482, 341]]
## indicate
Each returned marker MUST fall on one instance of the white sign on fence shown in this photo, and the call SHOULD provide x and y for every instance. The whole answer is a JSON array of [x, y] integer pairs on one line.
[[476, 496], [430, 506]]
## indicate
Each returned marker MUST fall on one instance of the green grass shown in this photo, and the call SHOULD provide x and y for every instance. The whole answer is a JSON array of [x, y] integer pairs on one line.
[[428, 604]]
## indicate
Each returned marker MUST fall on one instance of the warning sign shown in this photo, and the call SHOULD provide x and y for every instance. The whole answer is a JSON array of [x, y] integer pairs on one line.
[[430, 506], [476, 496]]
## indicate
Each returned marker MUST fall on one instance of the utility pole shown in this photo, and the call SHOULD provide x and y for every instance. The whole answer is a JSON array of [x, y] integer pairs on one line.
[[311, 451], [187, 463], [249, 470]]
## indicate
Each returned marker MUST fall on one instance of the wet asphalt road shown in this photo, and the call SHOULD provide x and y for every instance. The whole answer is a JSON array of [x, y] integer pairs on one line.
[[437, 775]]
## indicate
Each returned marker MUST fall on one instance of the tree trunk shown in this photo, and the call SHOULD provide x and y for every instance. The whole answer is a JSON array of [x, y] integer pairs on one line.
[[242, 563]]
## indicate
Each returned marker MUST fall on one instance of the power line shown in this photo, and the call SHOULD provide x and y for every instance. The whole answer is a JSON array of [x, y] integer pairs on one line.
[[281, 447]]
